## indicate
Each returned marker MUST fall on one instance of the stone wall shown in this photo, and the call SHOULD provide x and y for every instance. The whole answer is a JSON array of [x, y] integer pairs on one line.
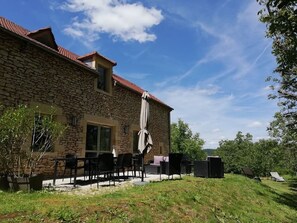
[[30, 75]]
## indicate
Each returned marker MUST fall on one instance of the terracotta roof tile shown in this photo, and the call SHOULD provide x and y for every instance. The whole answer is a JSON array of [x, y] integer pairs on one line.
[[135, 88], [11, 26]]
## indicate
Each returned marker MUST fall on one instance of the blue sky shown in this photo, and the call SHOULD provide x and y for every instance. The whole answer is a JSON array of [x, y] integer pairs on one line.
[[207, 59]]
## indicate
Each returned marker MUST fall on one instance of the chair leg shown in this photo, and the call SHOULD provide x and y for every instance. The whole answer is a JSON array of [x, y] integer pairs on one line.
[[70, 174], [64, 174], [98, 179], [113, 178]]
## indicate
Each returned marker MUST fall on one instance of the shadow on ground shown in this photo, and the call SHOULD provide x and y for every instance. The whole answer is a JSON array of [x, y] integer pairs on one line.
[[289, 199]]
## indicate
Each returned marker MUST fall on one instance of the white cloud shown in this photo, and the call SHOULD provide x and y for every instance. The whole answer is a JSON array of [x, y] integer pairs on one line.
[[255, 124], [236, 44], [118, 18], [215, 116]]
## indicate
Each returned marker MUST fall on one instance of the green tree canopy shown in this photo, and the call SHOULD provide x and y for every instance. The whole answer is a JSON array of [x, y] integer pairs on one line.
[[262, 157], [280, 17], [278, 129], [25, 138], [184, 141]]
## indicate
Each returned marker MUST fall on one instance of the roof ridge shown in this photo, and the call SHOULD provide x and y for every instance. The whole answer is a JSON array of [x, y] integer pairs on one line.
[[41, 29], [96, 53]]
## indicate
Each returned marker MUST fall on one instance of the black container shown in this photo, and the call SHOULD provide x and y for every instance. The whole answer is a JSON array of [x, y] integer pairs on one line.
[[201, 168]]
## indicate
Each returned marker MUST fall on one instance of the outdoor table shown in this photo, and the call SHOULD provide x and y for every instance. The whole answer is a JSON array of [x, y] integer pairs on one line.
[[84, 159]]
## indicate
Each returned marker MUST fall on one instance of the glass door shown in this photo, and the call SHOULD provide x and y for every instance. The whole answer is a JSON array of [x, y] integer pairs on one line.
[[98, 139]]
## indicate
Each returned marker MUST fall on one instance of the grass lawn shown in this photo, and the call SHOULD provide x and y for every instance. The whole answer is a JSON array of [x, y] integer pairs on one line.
[[232, 199]]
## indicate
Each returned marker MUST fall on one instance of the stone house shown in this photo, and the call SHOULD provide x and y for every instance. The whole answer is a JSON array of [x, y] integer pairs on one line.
[[100, 108]]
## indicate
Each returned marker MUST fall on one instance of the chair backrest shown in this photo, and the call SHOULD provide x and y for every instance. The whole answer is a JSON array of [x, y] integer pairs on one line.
[[248, 172], [185, 159], [175, 163], [120, 160], [275, 174], [127, 160], [70, 161], [138, 159], [105, 162]]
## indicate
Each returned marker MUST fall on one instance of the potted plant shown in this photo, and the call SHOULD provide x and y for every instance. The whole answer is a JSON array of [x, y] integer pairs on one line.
[[25, 137]]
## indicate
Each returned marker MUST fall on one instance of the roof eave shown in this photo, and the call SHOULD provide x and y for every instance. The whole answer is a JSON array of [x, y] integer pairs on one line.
[[131, 89]]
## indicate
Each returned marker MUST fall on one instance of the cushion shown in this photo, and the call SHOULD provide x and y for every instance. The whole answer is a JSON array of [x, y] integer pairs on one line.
[[157, 160], [166, 158]]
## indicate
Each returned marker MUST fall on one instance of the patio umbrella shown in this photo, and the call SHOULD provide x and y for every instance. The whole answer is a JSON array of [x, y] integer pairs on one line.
[[145, 141]]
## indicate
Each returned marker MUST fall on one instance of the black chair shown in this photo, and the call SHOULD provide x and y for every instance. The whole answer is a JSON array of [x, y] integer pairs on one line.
[[127, 163], [105, 167], [70, 164], [249, 173], [119, 165], [90, 165], [186, 165], [173, 166], [137, 165]]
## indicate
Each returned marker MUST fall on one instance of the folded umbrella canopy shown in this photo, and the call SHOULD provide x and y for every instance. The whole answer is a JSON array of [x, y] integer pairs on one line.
[[145, 142]]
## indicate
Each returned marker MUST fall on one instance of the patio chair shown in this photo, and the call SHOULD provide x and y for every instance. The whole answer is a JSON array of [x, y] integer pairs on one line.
[[173, 166], [127, 163], [137, 165], [119, 165], [186, 165], [71, 165], [276, 177], [249, 173], [154, 165], [105, 167]]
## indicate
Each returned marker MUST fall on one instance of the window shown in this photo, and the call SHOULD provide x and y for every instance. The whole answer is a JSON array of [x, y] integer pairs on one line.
[[101, 80], [135, 142], [98, 138], [41, 137]]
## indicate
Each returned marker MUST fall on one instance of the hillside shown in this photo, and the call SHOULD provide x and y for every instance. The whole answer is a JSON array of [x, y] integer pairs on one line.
[[209, 152], [232, 199]]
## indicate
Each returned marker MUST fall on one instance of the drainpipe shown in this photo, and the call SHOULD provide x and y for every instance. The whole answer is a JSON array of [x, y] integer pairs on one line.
[[169, 131]]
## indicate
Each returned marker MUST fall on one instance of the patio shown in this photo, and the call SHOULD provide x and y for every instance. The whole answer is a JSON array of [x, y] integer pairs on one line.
[[84, 187]]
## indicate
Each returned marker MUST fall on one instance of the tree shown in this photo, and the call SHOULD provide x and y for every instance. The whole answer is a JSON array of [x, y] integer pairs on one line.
[[262, 157], [18, 127], [280, 17], [183, 141], [287, 140], [267, 157], [236, 153]]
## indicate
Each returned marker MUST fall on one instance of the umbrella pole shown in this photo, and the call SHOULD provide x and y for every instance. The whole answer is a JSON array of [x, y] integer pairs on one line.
[[142, 168]]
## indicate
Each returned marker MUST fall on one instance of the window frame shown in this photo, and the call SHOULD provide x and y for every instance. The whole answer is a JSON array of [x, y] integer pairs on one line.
[[35, 147], [102, 75], [99, 140]]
